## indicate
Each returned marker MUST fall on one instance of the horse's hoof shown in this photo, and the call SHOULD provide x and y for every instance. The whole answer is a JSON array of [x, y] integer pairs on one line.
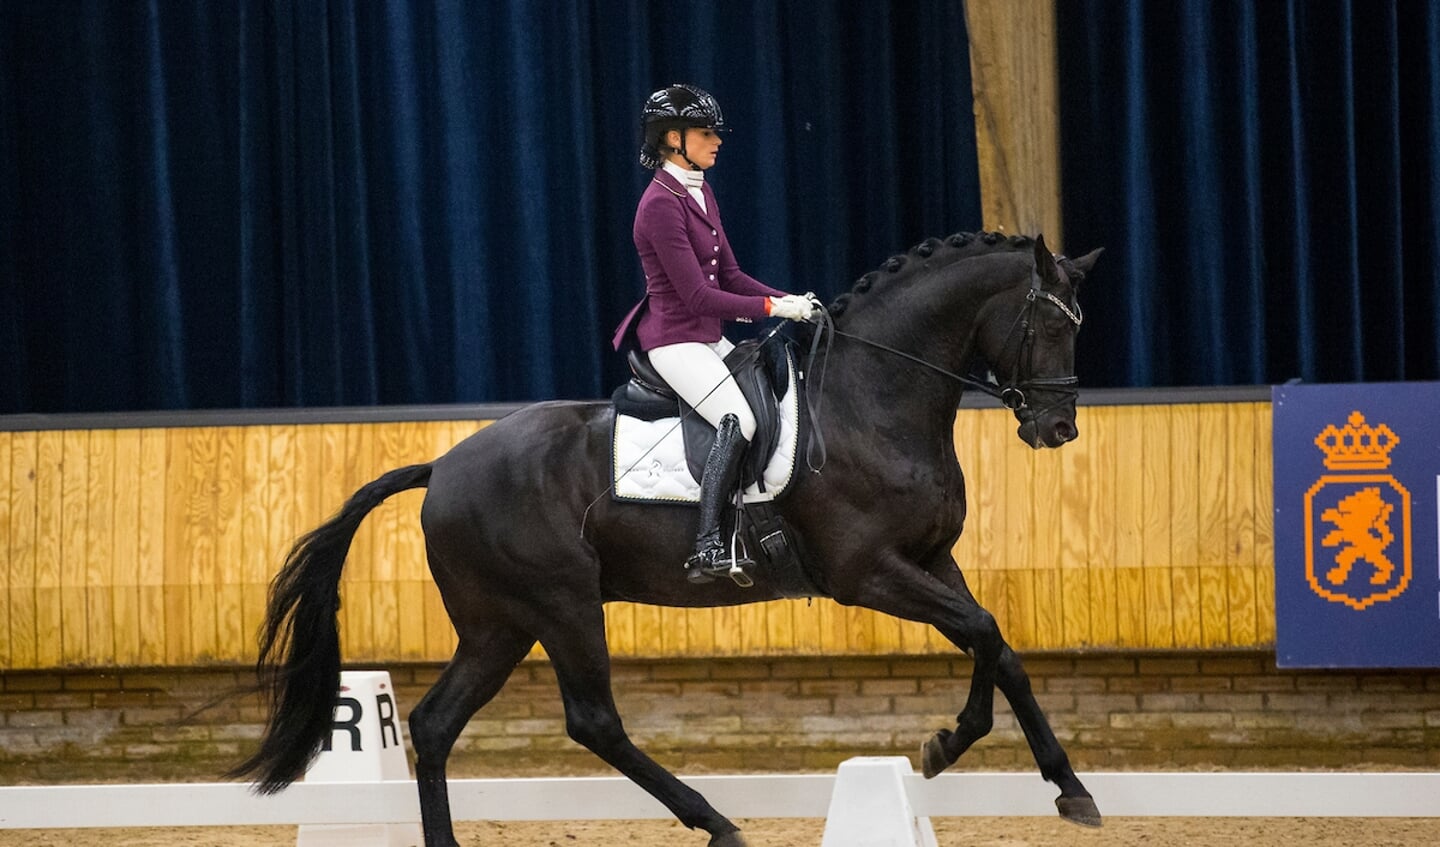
[[933, 761], [733, 838], [1081, 810]]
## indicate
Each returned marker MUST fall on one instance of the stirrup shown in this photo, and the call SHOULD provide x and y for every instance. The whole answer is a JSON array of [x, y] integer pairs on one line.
[[704, 566]]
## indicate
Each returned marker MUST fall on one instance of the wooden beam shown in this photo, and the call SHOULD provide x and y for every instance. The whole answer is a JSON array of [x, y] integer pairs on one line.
[[1017, 119]]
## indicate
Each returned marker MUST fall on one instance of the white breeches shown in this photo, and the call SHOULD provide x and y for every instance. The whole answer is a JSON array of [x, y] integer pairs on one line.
[[698, 374]]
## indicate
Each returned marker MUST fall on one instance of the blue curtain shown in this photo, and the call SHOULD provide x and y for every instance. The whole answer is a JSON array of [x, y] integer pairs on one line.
[[1266, 179], [267, 204]]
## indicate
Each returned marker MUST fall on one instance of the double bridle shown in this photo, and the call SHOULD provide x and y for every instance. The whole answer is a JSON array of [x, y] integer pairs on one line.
[[1011, 394]]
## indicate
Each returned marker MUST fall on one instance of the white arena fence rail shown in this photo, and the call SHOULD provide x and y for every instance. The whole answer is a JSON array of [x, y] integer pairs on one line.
[[1128, 794]]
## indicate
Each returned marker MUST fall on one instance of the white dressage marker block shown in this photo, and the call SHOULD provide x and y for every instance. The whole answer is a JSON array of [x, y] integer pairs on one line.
[[870, 807], [365, 745]]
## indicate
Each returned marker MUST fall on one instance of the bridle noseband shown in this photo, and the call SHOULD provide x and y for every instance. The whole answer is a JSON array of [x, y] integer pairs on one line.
[[1012, 394]]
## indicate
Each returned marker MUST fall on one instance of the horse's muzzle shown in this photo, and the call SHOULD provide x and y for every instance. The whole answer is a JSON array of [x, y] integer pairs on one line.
[[1048, 430]]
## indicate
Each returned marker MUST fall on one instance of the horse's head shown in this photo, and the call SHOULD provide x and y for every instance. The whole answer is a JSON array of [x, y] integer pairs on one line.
[[1028, 337]]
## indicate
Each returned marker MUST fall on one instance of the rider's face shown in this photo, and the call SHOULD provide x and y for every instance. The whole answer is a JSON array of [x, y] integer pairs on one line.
[[701, 145]]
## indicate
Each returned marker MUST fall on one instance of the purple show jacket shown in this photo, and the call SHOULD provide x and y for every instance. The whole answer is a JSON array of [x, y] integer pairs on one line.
[[692, 282]]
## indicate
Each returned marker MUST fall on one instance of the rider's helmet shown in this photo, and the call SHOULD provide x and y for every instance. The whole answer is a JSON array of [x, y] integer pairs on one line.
[[675, 107]]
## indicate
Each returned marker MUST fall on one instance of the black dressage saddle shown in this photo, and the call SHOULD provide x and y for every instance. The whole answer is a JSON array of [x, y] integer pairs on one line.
[[763, 373]]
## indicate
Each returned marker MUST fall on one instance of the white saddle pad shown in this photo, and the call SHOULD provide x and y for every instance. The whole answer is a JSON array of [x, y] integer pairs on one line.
[[650, 464]]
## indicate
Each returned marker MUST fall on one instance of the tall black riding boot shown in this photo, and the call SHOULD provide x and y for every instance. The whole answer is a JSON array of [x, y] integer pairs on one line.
[[717, 486]]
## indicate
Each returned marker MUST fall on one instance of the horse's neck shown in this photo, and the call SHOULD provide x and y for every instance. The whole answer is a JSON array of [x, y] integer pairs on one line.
[[889, 395]]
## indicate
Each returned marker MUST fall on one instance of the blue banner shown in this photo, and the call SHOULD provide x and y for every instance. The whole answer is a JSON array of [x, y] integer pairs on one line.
[[1357, 525]]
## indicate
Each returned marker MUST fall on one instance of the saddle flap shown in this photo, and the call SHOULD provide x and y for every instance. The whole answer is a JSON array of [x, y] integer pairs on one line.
[[765, 377]]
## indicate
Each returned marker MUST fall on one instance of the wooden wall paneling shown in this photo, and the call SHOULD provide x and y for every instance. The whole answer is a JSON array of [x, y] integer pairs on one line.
[[175, 557], [967, 548], [150, 538], [1047, 520], [410, 597], [823, 614], [6, 552], [779, 628], [201, 537], [282, 524], [1239, 552], [232, 636], [385, 610], [1009, 469], [357, 617], [1264, 527], [887, 635], [1072, 532], [155, 547], [23, 532], [1097, 430], [440, 638], [1129, 527], [1214, 467], [1130, 488], [620, 628], [74, 494], [859, 631], [48, 581], [101, 497], [125, 548], [418, 443], [1184, 490], [675, 632], [700, 631], [754, 628], [423, 441], [967, 452], [988, 517], [1156, 510], [648, 633], [806, 619], [259, 558], [1022, 608], [988, 562]]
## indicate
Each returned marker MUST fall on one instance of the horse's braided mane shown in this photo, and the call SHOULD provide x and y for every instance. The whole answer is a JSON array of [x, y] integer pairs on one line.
[[930, 254]]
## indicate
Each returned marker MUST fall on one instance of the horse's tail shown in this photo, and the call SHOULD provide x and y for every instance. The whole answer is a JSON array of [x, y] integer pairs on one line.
[[299, 664]]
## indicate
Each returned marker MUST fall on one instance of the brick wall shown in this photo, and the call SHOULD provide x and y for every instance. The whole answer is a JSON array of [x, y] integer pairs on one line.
[[1161, 711]]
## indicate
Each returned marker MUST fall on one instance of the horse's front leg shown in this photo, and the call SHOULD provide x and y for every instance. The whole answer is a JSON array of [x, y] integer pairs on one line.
[[938, 596], [1074, 803]]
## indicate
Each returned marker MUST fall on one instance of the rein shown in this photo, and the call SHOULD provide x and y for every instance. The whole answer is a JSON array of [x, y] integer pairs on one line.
[[1011, 395]]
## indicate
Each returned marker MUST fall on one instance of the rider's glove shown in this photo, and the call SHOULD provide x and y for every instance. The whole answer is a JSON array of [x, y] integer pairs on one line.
[[794, 307], [815, 304]]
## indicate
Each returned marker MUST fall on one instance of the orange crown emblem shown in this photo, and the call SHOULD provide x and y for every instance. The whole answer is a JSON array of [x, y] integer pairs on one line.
[[1358, 446]]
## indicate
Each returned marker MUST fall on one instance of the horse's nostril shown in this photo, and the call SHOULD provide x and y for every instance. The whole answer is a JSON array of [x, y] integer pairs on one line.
[[1066, 431]]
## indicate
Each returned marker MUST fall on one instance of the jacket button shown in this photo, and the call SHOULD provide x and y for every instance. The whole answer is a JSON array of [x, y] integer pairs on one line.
[[712, 277], [714, 261], [717, 248], [713, 232]]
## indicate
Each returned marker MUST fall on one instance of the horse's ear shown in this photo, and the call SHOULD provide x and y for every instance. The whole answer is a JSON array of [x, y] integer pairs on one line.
[[1087, 261], [1045, 262]]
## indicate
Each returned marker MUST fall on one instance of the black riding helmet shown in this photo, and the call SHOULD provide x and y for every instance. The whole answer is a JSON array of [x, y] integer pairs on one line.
[[679, 107]]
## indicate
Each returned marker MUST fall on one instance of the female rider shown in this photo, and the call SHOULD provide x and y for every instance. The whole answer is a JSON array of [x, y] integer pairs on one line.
[[692, 286]]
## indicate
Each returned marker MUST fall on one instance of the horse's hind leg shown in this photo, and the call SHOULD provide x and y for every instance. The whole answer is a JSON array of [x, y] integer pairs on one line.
[[581, 659], [482, 663]]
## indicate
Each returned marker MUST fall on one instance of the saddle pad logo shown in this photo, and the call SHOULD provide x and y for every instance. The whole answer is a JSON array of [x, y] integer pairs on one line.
[[1357, 523]]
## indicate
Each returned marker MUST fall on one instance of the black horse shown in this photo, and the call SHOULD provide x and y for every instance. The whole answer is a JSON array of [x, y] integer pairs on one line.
[[518, 560]]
